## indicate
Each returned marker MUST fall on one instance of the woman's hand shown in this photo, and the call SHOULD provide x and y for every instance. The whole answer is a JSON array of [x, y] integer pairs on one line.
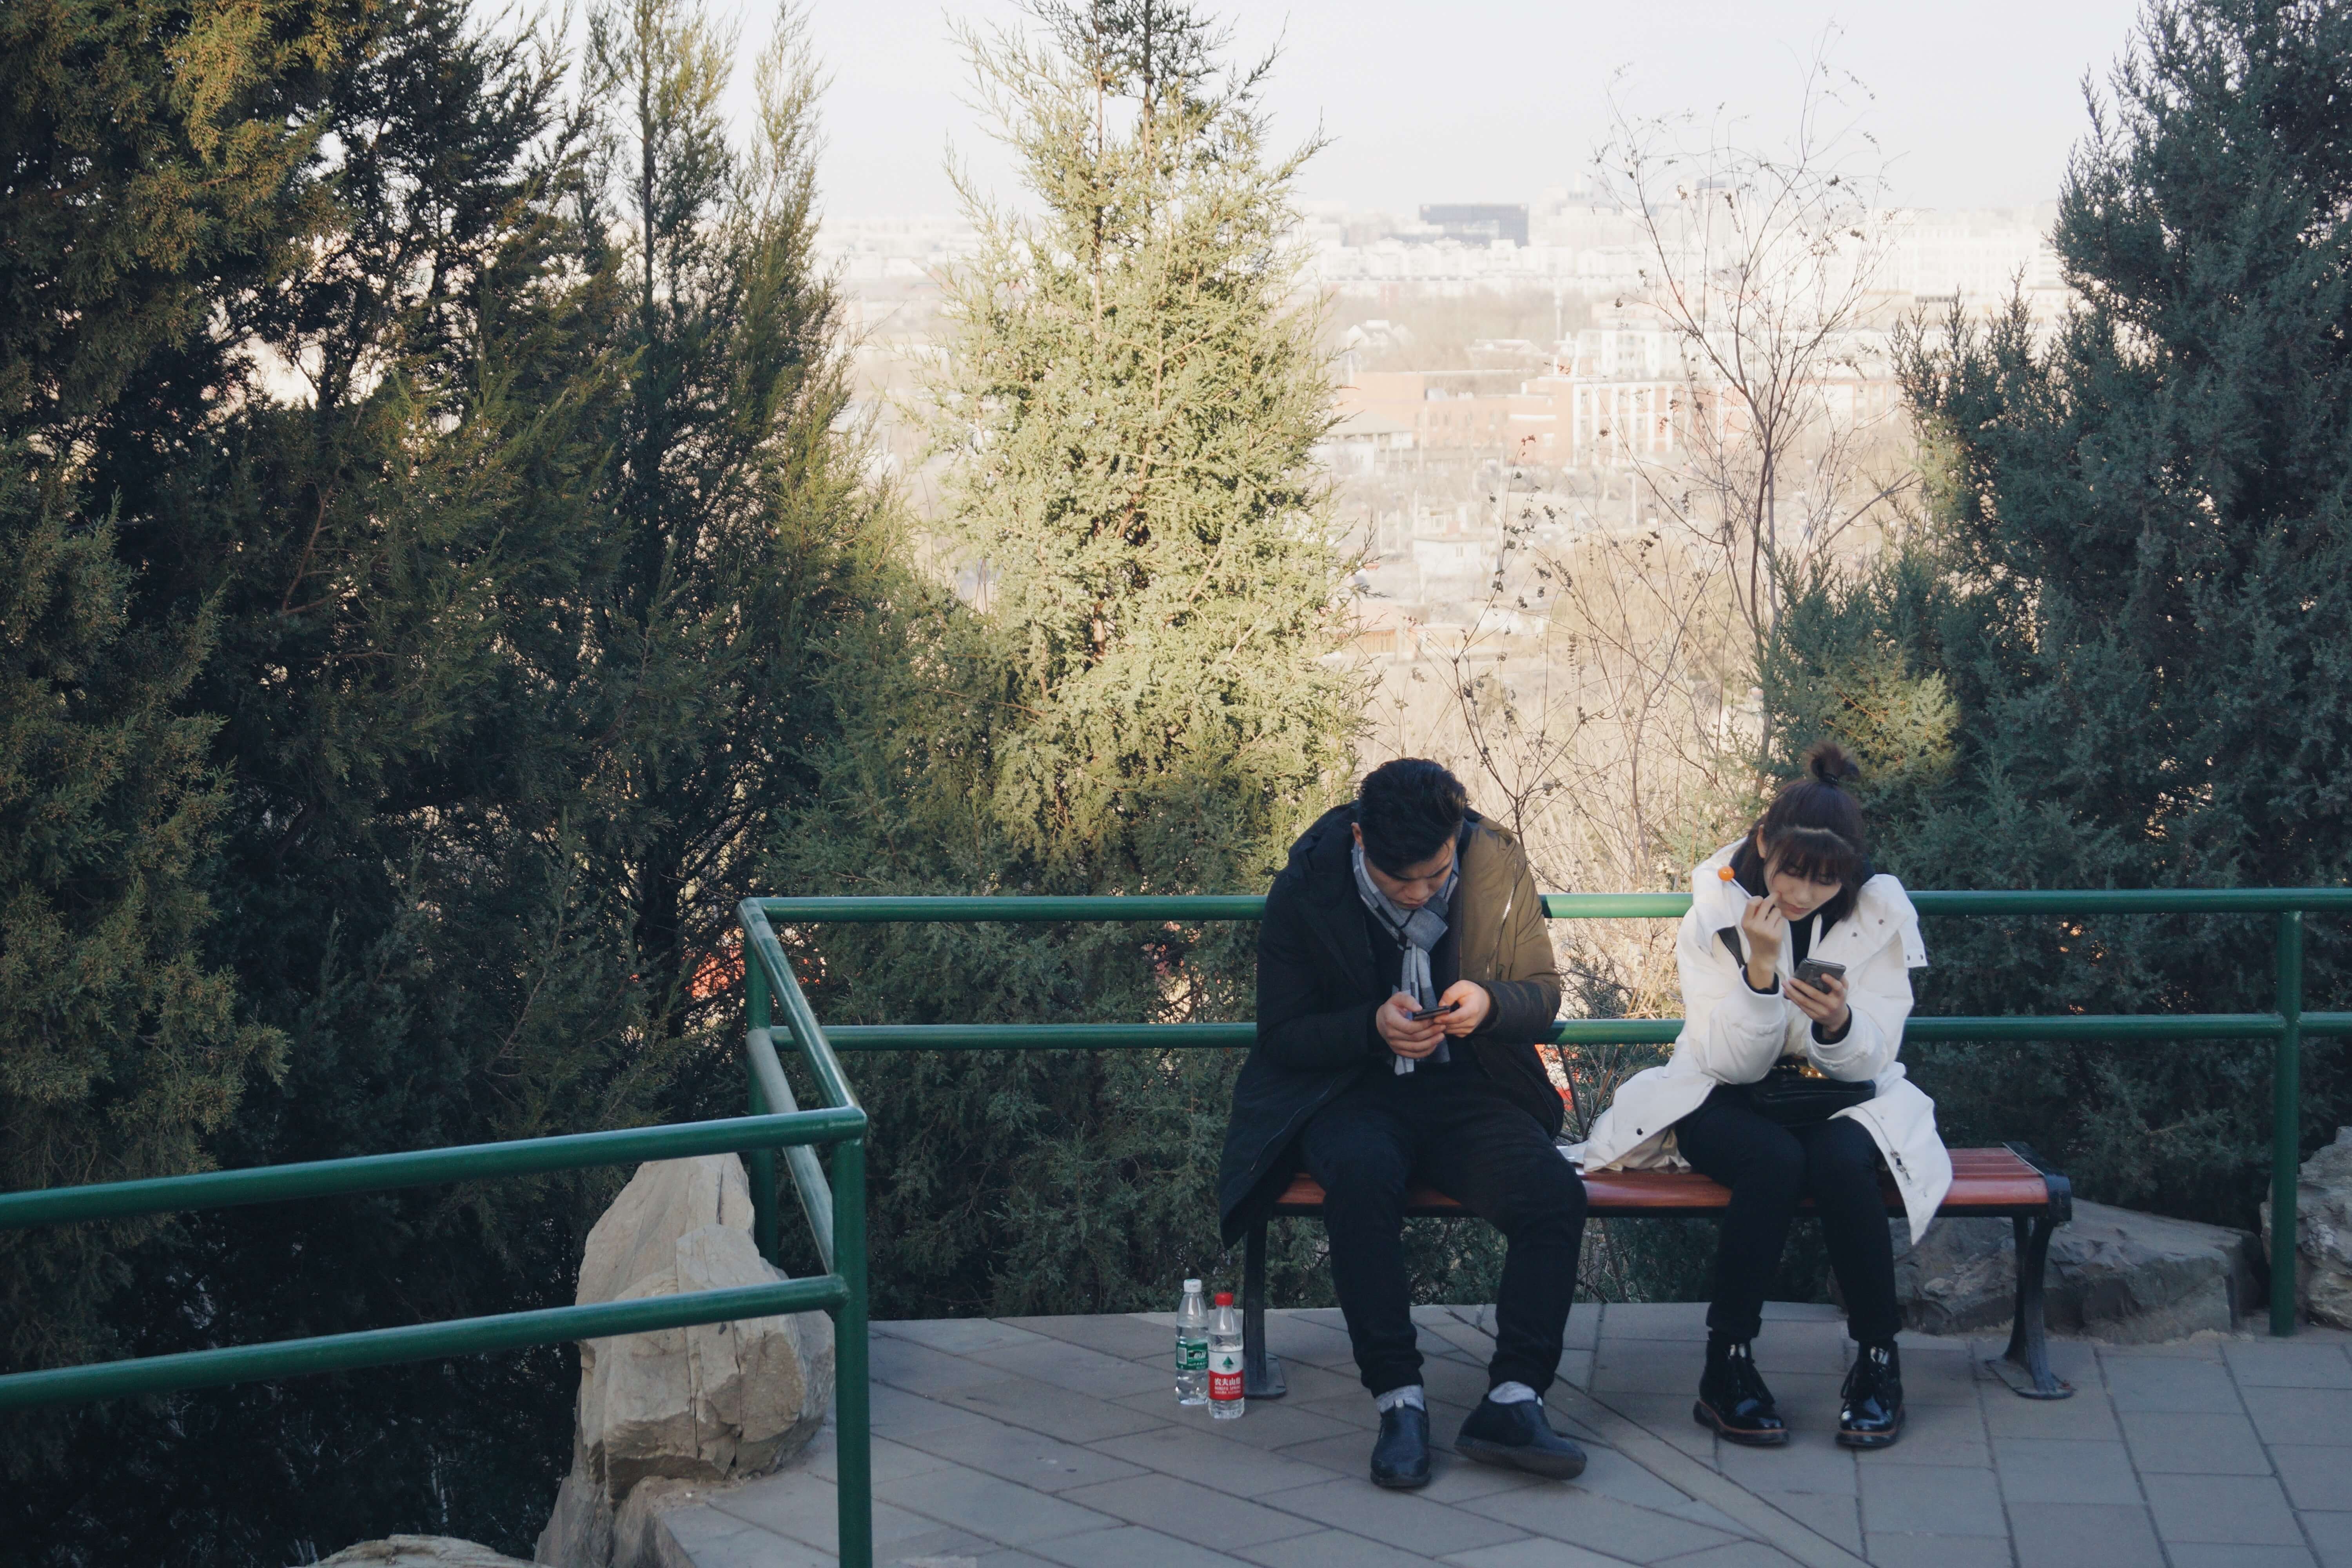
[[1407, 1039], [1472, 1004], [1766, 928], [1823, 1003]]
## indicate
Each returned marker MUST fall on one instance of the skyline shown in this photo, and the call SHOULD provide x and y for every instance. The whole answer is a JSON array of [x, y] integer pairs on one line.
[[1975, 118]]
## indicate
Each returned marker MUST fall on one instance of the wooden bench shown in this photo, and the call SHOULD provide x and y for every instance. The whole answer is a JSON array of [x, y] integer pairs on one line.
[[2010, 1181]]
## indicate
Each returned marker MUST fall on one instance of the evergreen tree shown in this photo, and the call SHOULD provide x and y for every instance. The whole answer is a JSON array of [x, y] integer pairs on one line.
[[2120, 656], [1134, 703]]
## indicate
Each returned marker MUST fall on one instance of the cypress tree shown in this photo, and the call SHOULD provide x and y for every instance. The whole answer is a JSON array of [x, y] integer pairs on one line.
[[2118, 655], [1136, 699]]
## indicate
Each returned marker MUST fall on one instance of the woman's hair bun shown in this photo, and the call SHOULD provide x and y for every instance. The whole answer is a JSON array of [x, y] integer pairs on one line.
[[1827, 761]]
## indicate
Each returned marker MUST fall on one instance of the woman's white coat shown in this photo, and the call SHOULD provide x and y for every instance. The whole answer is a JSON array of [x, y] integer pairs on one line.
[[1732, 1033]]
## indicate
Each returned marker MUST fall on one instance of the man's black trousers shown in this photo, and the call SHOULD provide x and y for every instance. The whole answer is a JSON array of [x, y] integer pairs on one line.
[[1454, 1130], [1770, 1169]]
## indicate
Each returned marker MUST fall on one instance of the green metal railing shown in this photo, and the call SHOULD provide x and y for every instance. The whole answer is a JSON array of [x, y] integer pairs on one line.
[[2286, 1027], [835, 1209]]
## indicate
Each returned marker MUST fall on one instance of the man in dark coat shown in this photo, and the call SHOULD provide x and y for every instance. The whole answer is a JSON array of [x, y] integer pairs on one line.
[[1405, 972]]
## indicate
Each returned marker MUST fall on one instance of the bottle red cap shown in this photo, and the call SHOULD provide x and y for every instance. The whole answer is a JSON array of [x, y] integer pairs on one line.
[[1224, 1298]]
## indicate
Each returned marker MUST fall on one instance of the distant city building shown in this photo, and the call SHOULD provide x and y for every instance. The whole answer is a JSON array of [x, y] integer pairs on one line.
[[1475, 224]]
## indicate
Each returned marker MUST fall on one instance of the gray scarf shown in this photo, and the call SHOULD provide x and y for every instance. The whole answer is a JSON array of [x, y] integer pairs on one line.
[[1419, 932]]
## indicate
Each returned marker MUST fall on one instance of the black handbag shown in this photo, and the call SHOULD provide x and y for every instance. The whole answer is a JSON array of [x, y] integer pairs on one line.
[[1796, 1092]]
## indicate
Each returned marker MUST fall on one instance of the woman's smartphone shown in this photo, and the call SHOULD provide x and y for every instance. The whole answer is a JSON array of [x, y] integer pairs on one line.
[[1812, 970], [1427, 1014]]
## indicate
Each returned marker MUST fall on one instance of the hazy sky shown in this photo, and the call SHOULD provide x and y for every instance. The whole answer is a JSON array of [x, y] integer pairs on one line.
[[1495, 100]]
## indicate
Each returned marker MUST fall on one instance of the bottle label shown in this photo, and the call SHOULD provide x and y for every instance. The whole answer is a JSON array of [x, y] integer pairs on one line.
[[1224, 1374], [1191, 1355]]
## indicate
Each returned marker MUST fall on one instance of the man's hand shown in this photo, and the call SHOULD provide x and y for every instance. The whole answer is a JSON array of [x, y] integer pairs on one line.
[[1823, 1003], [1407, 1039], [1476, 1002], [1766, 928]]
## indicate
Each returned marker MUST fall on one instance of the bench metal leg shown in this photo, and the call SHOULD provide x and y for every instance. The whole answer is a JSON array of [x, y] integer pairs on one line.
[[1261, 1372], [2025, 1365]]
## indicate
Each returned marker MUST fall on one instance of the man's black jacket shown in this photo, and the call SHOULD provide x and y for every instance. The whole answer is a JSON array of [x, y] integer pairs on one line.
[[1318, 985]]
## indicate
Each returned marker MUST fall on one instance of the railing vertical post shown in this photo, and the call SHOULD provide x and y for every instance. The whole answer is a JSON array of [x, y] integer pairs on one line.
[[760, 1167], [2286, 1120], [853, 1428]]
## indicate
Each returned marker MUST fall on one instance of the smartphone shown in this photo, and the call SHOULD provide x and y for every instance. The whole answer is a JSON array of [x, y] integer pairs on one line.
[[1426, 1015], [1813, 970]]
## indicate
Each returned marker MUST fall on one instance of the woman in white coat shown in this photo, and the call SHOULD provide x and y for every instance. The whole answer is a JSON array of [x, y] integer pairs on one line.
[[1798, 887]]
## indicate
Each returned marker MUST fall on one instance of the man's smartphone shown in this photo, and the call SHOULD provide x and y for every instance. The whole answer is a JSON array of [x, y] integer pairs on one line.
[[1812, 970], [1424, 1015]]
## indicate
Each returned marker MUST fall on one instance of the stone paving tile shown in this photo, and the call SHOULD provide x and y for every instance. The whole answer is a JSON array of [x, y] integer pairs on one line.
[[1399, 1519], [1837, 1518], [1275, 1424], [1001, 1511], [1535, 1554], [2082, 1535], [1130, 1546], [888, 1461], [711, 1539], [2315, 1477], [1612, 1473], [2224, 1509], [1188, 1511], [2195, 1555], [1294, 1338], [2270, 1365], [1809, 1462], [1941, 1377], [1129, 1337], [2053, 1469], [1061, 1414], [1031, 1459], [2300, 1415], [1659, 1320], [2331, 1537], [1893, 1551], [919, 1369], [1305, 1381], [2190, 1445], [1803, 1347], [1737, 1555], [2160, 1383], [1080, 1369], [1006, 1557], [1929, 1500], [1234, 1469], [1939, 1435], [1330, 1549], [1576, 1368], [1668, 1417], [1454, 1479], [1639, 1366], [2087, 1415], [1583, 1518], [808, 1511], [962, 1336], [901, 1414]]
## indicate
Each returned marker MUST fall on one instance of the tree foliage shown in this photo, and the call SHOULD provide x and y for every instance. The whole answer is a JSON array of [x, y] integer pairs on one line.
[[2119, 656], [1133, 701]]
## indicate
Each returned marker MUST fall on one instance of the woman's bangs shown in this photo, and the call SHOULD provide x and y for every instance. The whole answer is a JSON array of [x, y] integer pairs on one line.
[[1817, 855]]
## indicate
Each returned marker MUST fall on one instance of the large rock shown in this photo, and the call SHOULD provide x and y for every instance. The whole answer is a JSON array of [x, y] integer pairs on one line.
[[420, 1551], [2323, 1233], [2114, 1274], [705, 1404]]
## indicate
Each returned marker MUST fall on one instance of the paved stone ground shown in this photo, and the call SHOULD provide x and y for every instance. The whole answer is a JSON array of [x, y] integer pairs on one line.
[[1028, 1442]]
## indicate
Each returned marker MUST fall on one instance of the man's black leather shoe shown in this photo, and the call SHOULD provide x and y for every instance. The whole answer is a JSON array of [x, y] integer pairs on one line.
[[1733, 1400], [1517, 1435], [1400, 1456], [1870, 1408]]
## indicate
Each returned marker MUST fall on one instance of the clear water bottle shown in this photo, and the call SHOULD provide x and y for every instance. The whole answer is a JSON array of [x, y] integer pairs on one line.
[[1192, 1347], [1225, 1359]]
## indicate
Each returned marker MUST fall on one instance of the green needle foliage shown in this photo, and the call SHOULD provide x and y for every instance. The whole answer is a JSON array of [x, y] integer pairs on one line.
[[1133, 701], [2122, 654]]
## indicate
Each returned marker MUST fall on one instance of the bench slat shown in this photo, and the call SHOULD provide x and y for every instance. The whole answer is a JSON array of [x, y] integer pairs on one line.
[[1985, 1182]]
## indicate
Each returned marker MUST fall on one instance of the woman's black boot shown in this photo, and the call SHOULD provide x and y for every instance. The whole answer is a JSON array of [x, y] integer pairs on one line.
[[1732, 1397], [1870, 1410]]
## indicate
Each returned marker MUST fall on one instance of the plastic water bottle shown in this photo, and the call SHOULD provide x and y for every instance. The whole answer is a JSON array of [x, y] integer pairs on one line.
[[1192, 1347], [1225, 1359]]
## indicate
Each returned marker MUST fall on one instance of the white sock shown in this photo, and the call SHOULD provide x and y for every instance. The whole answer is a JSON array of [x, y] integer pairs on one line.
[[1409, 1395], [1510, 1393]]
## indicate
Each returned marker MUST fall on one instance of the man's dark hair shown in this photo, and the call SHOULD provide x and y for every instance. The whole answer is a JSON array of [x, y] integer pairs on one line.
[[1407, 809]]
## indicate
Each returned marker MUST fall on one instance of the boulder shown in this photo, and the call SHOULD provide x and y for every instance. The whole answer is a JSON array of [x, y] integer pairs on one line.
[[705, 1404], [420, 1551], [2323, 1233], [2116, 1275]]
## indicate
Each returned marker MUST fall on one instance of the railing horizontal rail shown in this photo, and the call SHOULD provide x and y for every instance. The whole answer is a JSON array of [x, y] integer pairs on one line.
[[1574, 1032], [417, 1342], [424, 1167], [798, 1017], [874, 909]]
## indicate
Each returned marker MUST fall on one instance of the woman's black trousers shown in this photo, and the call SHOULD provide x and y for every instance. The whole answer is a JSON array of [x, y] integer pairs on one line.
[[1771, 1168]]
